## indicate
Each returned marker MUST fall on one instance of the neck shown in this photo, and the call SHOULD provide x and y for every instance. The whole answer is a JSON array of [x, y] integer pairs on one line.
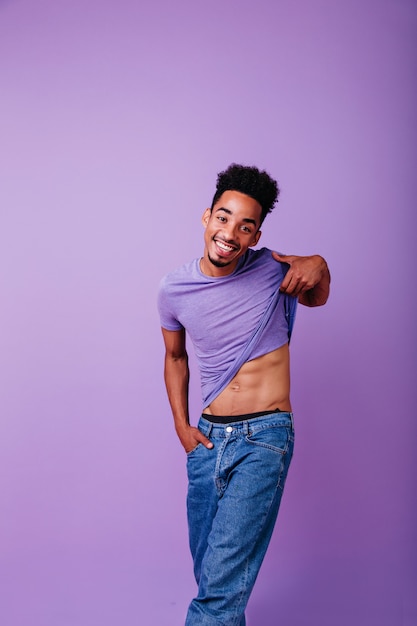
[[210, 269]]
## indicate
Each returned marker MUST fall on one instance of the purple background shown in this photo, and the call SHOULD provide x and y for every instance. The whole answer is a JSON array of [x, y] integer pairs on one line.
[[115, 119]]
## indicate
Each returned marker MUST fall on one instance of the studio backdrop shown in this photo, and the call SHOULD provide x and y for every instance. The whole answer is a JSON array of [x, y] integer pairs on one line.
[[115, 119]]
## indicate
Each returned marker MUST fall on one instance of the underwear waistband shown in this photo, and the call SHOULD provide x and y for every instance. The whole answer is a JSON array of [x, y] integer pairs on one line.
[[228, 419]]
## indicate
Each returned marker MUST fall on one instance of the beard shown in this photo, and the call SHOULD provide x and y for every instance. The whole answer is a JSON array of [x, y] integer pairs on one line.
[[217, 263]]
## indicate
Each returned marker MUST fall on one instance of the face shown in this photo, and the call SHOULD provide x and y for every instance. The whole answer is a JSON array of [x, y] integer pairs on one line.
[[230, 229]]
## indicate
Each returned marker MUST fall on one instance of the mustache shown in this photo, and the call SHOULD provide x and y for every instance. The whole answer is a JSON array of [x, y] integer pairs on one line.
[[229, 242]]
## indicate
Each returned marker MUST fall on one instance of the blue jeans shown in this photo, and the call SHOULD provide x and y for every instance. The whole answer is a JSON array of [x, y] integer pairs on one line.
[[233, 499]]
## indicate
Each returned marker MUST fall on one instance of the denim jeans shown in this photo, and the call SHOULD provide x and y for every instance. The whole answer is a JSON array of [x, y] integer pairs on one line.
[[233, 499]]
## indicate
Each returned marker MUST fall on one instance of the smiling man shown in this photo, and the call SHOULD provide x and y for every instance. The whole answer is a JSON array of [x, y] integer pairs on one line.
[[238, 306]]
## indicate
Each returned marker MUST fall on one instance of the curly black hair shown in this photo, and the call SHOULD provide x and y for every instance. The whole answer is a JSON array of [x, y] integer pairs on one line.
[[250, 181]]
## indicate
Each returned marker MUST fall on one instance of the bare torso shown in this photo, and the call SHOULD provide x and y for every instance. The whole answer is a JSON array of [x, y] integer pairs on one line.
[[262, 384]]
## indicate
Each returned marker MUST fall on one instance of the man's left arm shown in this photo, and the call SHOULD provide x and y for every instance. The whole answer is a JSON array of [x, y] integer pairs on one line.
[[308, 278]]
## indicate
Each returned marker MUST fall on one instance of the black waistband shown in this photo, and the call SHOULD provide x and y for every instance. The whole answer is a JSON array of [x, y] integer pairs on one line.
[[228, 419]]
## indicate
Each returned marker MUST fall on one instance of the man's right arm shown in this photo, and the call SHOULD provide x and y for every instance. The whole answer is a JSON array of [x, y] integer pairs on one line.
[[177, 377]]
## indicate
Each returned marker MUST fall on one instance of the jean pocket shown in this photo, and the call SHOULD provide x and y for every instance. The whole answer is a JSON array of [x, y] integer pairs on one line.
[[277, 438], [198, 446]]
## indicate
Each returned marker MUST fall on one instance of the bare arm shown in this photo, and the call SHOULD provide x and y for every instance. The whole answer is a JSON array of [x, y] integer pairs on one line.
[[308, 278], [177, 377]]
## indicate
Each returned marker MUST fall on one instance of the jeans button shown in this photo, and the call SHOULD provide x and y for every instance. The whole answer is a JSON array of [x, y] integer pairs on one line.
[[229, 429]]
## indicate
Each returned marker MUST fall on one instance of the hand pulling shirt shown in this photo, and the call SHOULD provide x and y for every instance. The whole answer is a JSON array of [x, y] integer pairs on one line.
[[221, 314]]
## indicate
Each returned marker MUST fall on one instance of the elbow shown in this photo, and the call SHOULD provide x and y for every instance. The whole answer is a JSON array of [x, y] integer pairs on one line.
[[314, 297], [176, 357]]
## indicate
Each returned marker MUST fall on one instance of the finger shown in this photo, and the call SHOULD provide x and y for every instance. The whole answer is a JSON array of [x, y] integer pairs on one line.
[[204, 440], [284, 258], [291, 285], [284, 285], [281, 258]]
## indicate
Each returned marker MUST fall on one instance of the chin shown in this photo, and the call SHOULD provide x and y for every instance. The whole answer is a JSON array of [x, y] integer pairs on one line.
[[218, 262]]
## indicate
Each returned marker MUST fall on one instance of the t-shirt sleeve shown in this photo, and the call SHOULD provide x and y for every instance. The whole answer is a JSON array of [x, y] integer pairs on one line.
[[165, 308]]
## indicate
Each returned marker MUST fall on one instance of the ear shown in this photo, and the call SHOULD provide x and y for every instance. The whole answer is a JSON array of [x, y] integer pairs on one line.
[[256, 238], [206, 216]]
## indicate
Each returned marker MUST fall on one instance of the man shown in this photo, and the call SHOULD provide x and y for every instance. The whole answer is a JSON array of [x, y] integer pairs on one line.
[[237, 305]]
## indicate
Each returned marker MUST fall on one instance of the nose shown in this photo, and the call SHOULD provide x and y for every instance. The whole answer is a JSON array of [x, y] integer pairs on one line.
[[230, 231]]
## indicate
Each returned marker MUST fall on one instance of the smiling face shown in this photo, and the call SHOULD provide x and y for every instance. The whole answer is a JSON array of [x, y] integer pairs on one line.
[[231, 227]]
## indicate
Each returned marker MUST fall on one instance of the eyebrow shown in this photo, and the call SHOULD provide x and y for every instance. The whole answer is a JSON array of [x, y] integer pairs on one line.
[[247, 220]]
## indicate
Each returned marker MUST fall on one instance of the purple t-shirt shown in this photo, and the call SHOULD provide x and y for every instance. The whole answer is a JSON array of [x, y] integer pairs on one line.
[[221, 314]]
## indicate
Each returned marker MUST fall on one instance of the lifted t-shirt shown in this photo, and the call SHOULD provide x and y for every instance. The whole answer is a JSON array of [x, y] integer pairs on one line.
[[220, 314]]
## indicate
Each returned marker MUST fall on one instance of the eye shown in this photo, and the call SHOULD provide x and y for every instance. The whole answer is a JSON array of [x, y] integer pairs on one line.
[[246, 229], [221, 218]]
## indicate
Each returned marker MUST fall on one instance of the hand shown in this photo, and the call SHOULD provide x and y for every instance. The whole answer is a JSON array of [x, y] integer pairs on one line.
[[304, 275], [190, 437]]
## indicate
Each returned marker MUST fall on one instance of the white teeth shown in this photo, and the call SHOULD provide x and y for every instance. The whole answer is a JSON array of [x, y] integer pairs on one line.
[[224, 246]]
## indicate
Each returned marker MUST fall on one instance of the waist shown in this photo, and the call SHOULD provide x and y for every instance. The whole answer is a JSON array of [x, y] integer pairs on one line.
[[230, 419], [244, 424]]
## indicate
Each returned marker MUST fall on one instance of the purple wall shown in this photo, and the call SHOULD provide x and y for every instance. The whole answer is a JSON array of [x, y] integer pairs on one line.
[[115, 119]]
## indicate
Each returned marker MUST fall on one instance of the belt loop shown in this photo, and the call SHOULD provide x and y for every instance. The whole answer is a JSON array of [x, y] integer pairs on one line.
[[246, 427], [210, 426]]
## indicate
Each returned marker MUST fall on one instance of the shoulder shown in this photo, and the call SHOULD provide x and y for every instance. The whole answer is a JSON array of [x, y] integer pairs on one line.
[[261, 255], [262, 259], [180, 276], [255, 258], [172, 289]]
